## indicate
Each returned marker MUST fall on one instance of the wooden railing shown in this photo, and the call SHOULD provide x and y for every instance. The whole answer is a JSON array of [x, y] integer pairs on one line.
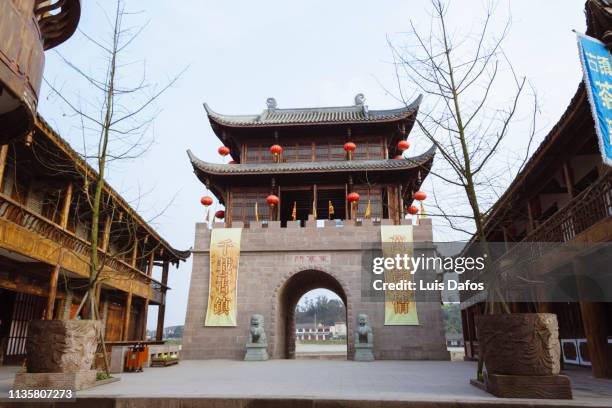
[[583, 211], [23, 216]]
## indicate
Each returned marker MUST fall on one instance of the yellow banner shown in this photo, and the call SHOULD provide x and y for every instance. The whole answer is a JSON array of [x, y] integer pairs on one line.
[[222, 288], [400, 307]]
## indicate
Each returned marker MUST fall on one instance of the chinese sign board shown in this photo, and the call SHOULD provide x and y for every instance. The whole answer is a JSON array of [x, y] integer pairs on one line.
[[597, 66], [222, 288]]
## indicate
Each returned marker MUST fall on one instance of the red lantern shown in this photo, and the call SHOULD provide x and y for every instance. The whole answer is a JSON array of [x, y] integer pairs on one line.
[[276, 149], [206, 201], [220, 214], [350, 147], [398, 157], [412, 210], [272, 200], [352, 197], [224, 150], [403, 145], [420, 196]]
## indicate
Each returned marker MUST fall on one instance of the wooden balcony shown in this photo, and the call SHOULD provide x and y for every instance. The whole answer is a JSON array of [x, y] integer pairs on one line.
[[571, 221], [27, 28], [28, 233]]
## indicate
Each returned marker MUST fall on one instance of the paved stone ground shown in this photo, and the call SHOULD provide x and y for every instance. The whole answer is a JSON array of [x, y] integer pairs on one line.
[[380, 380]]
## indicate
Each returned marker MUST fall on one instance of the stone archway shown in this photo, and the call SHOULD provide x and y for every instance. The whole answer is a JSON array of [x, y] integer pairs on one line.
[[288, 296]]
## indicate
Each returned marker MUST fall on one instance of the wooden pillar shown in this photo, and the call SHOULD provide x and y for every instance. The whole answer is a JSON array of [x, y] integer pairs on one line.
[[400, 204], [145, 315], [505, 233], [161, 311], [134, 253], [3, 155], [65, 214], [52, 292], [151, 263], [531, 225], [106, 236], [595, 327], [567, 175], [314, 197], [126, 315]]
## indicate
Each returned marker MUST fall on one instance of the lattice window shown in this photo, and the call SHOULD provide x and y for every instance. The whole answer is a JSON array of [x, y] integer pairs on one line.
[[243, 206], [374, 195]]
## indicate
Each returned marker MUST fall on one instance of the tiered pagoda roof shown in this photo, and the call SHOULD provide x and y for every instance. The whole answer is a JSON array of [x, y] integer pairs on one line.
[[233, 130], [355, 114]]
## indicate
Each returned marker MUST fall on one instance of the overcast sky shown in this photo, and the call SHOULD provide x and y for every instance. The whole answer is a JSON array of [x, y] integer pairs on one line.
[[310, 53]]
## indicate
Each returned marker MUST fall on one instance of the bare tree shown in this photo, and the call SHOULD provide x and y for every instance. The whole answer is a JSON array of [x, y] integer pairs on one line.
[[114, 126], [469, 120]]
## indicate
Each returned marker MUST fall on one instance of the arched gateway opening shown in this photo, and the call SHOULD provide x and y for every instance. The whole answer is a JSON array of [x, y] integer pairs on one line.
[[291, 292]]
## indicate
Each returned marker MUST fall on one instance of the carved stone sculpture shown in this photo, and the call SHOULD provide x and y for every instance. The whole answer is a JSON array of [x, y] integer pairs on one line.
[[61, 346], [60, 354], [521, 354], [519, 343], [364, 339], [257, 346]]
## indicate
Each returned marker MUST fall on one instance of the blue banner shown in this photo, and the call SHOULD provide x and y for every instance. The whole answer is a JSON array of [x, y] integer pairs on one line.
[[597, 66]]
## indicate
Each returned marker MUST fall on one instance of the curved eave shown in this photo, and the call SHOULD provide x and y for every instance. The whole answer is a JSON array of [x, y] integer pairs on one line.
[[56, 26], [374, 117], [215, 170]]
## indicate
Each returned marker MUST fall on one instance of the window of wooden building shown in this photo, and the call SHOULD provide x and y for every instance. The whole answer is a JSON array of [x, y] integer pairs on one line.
[[330, 151], [258, 153], [374, 196], [368, 149], [298, 152], [243, 205]]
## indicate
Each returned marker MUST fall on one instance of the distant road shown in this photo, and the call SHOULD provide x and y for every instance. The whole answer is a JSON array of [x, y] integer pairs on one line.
[[320, 348]]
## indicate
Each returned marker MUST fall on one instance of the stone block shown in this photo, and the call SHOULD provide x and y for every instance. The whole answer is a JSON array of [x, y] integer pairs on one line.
[[256, 352], [79, 380], [364, 352]]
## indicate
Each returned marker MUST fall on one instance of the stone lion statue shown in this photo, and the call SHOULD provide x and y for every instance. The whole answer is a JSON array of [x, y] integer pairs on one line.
[[257, 333], [363, 334]]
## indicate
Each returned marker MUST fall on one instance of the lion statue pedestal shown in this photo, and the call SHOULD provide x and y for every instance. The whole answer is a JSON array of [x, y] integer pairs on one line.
[[364, 340], [257, 346]]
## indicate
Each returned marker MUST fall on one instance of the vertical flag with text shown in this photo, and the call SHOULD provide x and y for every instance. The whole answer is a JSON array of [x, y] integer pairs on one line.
[[597, 66]]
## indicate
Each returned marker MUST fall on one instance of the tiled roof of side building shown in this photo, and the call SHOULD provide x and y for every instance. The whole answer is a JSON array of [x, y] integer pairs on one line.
[[315, 167], [273, 116]]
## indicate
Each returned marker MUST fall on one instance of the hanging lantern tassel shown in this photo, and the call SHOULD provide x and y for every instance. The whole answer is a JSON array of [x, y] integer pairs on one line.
[[353, 198], [421, 196], [349, 148], [276, 150]]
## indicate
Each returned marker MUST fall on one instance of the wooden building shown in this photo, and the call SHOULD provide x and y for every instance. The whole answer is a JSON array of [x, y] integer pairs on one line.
[[27, 29], [563, 195], [313, 170], [44, 247]]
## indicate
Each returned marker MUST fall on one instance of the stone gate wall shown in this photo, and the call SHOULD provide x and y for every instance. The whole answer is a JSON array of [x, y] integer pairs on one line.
[[269, 257]]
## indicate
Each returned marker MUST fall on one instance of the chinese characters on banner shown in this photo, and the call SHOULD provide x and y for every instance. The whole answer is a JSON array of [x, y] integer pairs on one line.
[[400, 307], [597, 66], [222, 288]]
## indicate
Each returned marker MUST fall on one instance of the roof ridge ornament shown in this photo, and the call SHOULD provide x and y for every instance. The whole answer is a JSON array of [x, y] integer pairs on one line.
[[359, 99], [271, 103]]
